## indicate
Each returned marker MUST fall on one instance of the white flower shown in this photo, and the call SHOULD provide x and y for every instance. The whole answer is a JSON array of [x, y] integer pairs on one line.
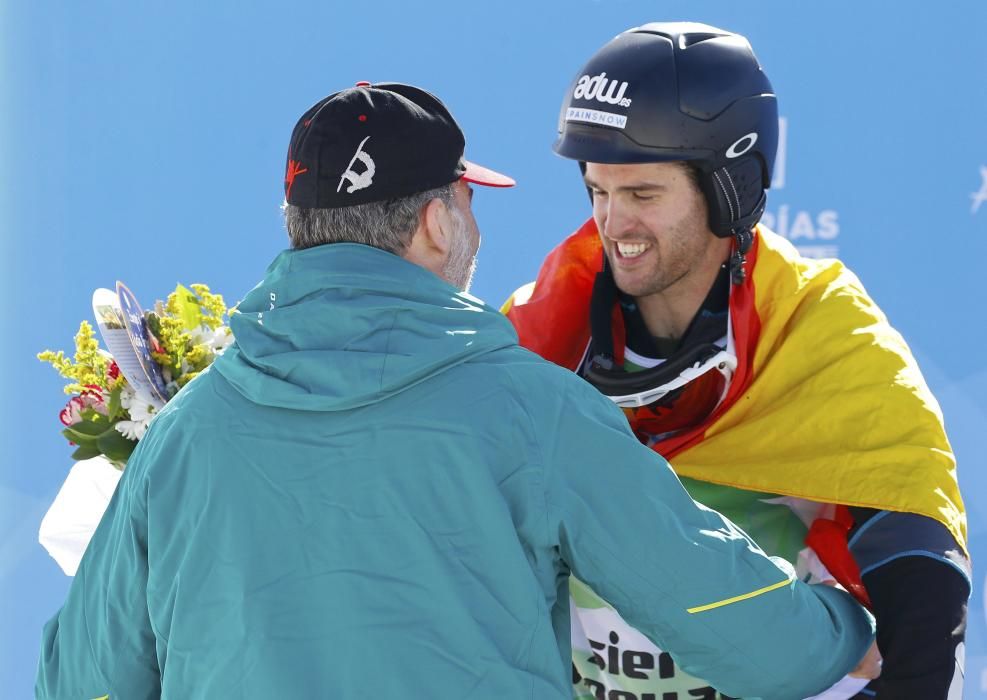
[[216, 340], [224, 339], [141, 408], [130, 429], [139, 405]]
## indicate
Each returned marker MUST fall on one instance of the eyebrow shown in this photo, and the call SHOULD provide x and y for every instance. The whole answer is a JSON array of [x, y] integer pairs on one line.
[[637, 187]]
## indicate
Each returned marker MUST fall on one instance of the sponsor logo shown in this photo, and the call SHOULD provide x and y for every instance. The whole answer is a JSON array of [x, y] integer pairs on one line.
[[742, 145], [358, 181], [595, 116], [980, 196], [602, 89]]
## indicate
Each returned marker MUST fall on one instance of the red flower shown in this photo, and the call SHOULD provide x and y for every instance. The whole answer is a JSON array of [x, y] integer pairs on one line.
[[70, 414], [92, 398], [113, 371]]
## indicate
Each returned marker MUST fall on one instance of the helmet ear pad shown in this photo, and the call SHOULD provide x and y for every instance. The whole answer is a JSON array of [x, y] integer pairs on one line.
[[735, 196]]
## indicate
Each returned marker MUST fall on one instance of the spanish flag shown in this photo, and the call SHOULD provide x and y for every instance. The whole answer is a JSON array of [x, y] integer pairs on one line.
[[827, 403]]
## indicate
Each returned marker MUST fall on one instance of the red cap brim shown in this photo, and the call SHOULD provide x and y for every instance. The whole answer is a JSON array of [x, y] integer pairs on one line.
[[479, 175]]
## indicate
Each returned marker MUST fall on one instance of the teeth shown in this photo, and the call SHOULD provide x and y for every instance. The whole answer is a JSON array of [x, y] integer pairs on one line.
[[631, 250]]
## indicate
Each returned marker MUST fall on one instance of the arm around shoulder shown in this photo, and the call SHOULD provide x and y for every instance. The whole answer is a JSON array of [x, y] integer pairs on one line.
[[683, 574]]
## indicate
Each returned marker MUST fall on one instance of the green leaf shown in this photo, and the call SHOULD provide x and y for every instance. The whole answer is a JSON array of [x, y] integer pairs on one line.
[[86, 431], [115, 446], [113, 406], [91, 415], [78, 437], [188, 308], [86, 452]]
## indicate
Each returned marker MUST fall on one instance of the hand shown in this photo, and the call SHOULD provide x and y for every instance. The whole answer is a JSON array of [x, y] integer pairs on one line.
[[870, 665]]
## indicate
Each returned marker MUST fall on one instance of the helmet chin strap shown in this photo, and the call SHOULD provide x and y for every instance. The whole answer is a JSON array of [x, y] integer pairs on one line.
[[600, 317], [743, 234], [741, 244]]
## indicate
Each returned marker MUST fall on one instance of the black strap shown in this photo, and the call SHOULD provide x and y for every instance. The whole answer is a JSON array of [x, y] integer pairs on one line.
[[600, 317]]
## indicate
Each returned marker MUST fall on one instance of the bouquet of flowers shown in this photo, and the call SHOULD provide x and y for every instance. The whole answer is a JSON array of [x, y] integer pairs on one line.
[[108, 411]]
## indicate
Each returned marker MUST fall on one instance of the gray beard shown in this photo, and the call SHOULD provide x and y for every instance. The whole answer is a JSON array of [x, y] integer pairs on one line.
[[461, 265]]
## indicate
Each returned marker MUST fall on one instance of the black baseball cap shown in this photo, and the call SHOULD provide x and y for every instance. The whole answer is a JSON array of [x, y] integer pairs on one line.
[[371, 143]]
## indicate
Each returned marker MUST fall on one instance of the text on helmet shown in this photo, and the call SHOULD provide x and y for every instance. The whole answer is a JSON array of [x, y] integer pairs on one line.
[[601, 89]]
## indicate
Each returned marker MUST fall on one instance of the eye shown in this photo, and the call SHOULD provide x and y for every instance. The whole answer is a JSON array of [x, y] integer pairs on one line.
[[643, 196], [597, 193]]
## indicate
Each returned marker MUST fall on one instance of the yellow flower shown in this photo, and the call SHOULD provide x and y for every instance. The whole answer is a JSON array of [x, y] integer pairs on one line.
[[213, 306], [175, 340], [89, 365], [198, 357]]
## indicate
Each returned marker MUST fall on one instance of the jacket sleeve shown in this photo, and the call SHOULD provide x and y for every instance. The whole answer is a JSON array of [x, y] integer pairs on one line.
[[682, 574], [903, 556], [101, 643]]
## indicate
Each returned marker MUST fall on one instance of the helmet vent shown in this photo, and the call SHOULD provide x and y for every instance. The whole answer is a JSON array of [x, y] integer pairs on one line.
[[687, 40]]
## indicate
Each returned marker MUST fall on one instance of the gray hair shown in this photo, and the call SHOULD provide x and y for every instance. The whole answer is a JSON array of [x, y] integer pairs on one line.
[[388, 225]]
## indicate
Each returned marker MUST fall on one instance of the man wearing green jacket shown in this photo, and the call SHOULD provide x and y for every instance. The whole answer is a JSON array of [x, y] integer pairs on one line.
[[375, 493]]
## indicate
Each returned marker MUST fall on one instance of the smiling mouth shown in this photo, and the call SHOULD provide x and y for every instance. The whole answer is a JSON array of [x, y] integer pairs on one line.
[[631, 250]]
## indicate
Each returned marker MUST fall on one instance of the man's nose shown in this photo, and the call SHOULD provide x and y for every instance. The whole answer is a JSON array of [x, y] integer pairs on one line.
[[619, 220]]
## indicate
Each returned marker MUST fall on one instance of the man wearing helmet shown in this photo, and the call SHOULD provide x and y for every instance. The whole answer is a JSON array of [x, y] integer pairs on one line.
[[773, 383]]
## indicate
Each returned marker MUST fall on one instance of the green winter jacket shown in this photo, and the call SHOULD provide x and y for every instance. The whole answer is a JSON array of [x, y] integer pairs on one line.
[[375, 493]]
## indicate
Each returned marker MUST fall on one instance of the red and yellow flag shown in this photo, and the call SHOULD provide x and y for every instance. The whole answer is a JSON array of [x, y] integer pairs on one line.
[[827, 403]]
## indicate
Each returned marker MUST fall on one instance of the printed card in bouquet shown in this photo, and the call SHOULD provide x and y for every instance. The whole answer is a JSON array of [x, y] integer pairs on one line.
[[124, 330]]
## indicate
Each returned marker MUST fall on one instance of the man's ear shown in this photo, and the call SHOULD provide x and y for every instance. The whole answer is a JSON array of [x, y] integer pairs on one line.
[[437, 224], [431, 241]]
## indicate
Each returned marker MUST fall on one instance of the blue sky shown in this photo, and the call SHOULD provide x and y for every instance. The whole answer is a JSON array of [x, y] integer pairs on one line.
[[145, 142]]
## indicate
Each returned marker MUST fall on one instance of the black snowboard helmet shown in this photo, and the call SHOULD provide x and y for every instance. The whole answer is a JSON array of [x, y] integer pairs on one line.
[[680, 91]]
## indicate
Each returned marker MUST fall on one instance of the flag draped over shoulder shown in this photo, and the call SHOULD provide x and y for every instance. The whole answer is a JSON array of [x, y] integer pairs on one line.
[[827, 403]]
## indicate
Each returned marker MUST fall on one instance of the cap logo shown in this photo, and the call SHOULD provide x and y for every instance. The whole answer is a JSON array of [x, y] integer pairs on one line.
[[599, 88], [742, 145], [294, 169], [358, 181]]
